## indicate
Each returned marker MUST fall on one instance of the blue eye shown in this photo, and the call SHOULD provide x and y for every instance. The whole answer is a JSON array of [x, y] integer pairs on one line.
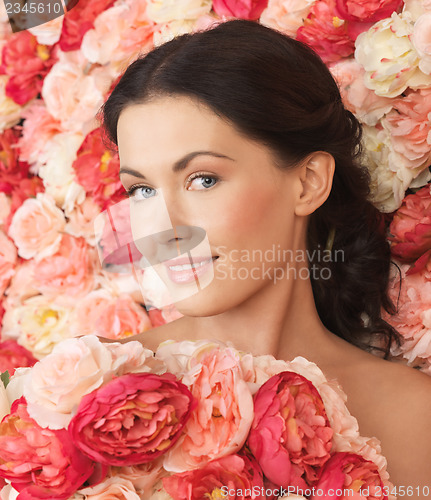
[[205, 181], [147, 192]]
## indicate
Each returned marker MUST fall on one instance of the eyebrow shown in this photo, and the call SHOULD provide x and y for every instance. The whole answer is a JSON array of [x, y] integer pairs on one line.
[[179, 165]]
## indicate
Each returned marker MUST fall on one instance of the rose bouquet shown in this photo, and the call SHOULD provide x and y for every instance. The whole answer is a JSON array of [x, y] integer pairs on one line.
[[108, 420]]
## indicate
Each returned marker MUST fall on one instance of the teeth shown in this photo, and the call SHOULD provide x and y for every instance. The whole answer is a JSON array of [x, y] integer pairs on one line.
[[189, 266]]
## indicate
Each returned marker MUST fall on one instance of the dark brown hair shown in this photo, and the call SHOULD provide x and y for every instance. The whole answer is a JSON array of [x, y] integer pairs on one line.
[[276, 90]]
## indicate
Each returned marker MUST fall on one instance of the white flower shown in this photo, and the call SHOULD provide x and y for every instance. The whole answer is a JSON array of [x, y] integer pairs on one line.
[[164, 11], [10, 111], [389, 58], [286, 15]]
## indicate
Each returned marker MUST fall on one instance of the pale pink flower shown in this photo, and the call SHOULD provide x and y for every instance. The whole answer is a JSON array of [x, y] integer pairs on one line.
[[39, 128], [80, 219], [10, 111], [112, 488], [36, 227], [70, 271], [8, 260], [421, 39], [103, 314], [364, 103], [286, 15], [142, 476], [220, 423], [5, 206], [22, 285]]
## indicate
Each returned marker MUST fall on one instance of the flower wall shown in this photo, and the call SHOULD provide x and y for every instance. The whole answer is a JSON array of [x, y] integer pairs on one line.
[[56, 174]]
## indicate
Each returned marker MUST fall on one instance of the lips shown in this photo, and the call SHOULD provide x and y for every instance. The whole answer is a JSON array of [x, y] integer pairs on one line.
[[187, 270]]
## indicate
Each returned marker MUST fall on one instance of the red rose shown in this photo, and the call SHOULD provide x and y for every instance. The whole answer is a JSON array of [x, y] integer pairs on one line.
[[40, 463], [410, 229], [233, 472], [366, 11], [243, 9], [13, 355], [132, 419], [345, 471], [290, 435]]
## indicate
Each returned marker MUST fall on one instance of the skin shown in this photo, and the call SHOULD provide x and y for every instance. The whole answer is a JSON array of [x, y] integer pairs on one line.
[[255, 206]]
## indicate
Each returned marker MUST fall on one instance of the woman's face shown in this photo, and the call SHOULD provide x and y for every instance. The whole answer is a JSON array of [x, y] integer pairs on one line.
[[233, 192]]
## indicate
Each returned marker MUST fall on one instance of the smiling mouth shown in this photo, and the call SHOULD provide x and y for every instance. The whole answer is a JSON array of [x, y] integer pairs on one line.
[[182, 271], [195, 265]]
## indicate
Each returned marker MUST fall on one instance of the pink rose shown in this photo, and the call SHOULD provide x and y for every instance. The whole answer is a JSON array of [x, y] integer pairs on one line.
[[326, 33], [36, 227], [220, 424], [238, 473], [105, 315], [22, 284], [70, 271], [8, 260], [290, 436], [80, 219], [243, 9], [366, 10], [13, 355], [40, 463], [348, 471], [132, 419], [410, 229]]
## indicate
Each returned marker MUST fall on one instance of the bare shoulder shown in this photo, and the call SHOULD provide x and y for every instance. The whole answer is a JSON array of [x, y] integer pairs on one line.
[[397, 410]]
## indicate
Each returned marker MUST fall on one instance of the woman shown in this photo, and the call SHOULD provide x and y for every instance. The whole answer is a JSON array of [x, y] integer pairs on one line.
[[270, 171]]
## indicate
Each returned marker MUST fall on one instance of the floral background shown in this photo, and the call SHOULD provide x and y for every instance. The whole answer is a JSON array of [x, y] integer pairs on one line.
[[56, 175]]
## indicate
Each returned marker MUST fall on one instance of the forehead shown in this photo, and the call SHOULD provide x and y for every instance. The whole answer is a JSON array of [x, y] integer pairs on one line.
[[174, 125]]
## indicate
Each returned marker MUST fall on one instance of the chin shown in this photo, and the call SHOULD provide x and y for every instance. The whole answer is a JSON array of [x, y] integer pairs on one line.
[[199, 306]]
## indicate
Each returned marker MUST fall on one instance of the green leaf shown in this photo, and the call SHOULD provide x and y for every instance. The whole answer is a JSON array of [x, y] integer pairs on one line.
[[5, 378]]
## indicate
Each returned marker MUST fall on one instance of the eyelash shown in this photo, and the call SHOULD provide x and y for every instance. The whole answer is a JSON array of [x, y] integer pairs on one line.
[[197, 175]]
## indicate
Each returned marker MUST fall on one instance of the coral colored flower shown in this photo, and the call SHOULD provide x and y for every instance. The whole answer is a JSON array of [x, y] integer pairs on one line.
[[97, 170], [13, 355], [36, 227], [8, 260], [244, 9], [366, 10], [326, 33], [27, 63], [348, 471], [79, 20], [237, 473], [132, 419], [70, 271], [290, 436], [40, 463], [220, 424], [410, 229]]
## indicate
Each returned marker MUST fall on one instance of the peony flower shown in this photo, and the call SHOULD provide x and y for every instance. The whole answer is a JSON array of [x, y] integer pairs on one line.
[[410, 229], [325, 32], [132, 419], [389, 58], [237, 473], [367, 11], [36, 227], [38, 324], [70, 271], [347, 472], [10, 111], [8, 260], [421, 39], [286, 15], [89, 364], [412, 294], [244, 9], [290, 435], [220, 424], [165, 11], [103, 314], [13, 355], [112, 488], [364, 103], [143, 476], [40, 463], [409, 126], [26, 63]]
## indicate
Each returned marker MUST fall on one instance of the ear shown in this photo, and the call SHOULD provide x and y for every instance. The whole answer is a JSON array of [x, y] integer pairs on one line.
[[315, 177]]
